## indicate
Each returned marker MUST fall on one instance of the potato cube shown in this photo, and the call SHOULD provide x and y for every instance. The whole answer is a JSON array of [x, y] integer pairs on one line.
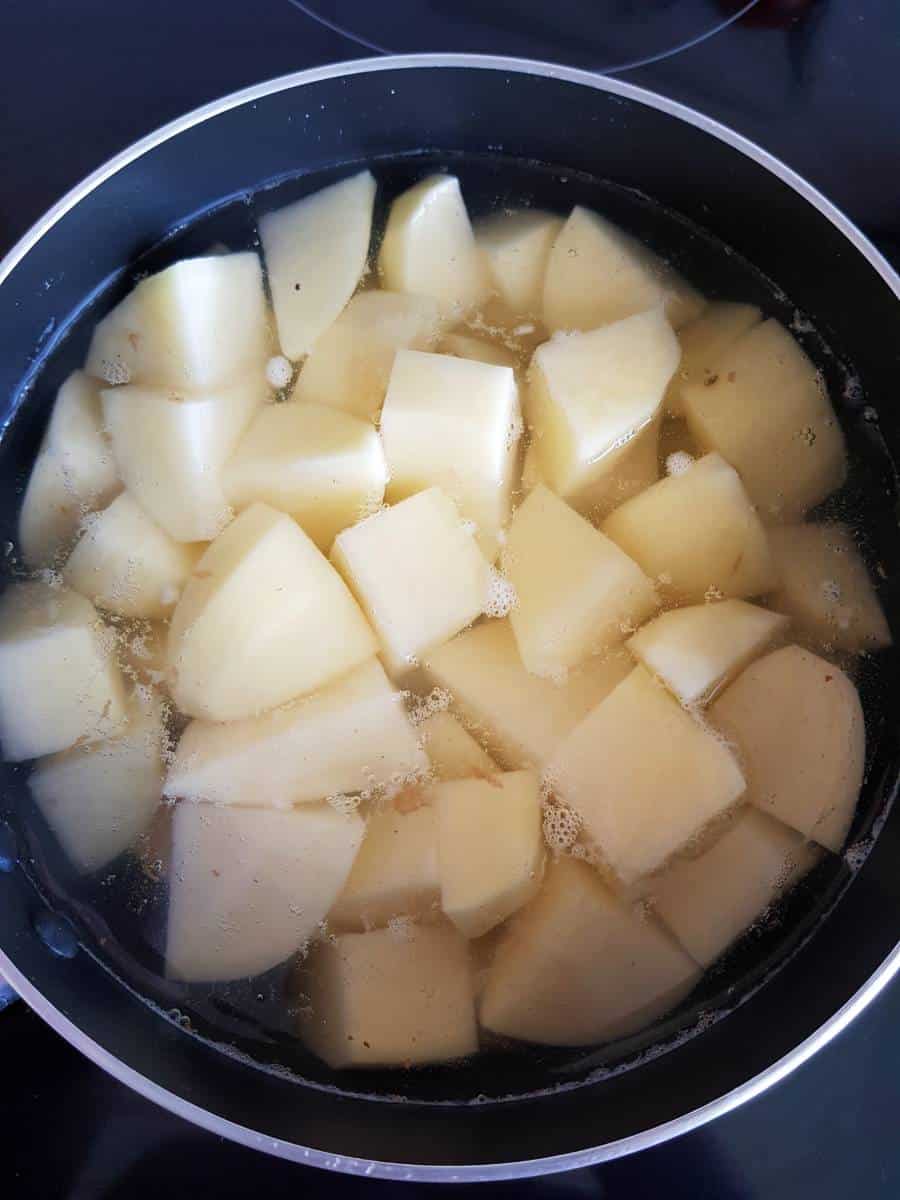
[[452, 752], [59, 684], [766, 411], [382, 999], [248, 887], [703, 342], [476, 349], [264, 618], [696, 534], [316, 251], [798, 726], [577, 966], [696, 651], [645, 776], [324, 467], [578, 594], [517, 246], [418, 573]]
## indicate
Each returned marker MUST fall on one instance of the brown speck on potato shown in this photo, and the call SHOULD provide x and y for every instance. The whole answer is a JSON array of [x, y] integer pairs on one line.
[[216, 873], [828, 678], [202, 574], [134, 340], [409, 799], [732, 376], [711, 379]]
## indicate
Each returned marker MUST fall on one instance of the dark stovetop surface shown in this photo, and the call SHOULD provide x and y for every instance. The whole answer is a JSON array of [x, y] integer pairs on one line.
[[815, 82]]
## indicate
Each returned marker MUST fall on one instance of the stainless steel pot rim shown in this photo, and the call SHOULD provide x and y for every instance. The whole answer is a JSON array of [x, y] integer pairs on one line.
[[490, 1171]]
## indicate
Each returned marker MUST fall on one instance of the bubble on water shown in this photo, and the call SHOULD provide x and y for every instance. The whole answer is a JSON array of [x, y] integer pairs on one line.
[[401, 928], [115, 371], [345, 805], [713, 594], [501, 596], [678, 462], [561, 825], [279, 371], [831, 591], [423, 707]]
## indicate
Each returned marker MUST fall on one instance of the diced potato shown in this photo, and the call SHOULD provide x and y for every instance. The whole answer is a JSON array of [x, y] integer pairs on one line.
[[59, 684], [452, 752], [517, 246], [429, 248], [695, 651], [577, 966], [645, 776], [454, 424], [264, 618], [97, 799], [171, 449], [351, 736], [696, 534], [418, 573], [323, 466], [592, 393], [315, 252], [248, 887], [520, 717], [825, 587], [395, 873], [703, 342], [476, 349], [798, 727], [710, 900], [767, 413], [351, 362], [390, 998], [125, 563], [578, 594], [197, 325], [490, 848]]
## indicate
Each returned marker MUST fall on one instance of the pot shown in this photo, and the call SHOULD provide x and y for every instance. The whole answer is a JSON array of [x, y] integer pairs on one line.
[[685, 184]]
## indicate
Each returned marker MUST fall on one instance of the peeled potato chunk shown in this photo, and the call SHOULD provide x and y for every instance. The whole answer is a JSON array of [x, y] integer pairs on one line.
[[429, 248], [171, 449], [696, 534], [97, 799], [452, 751], [248, 887], [710, 900], [765, 410], [645, 776], [578, 593], [390, 998], [323, 466], [798, 727], [59, 684], [825, 587], [418, 573], [454, 424], [315, 251], [696, 651], [349, 737], [577, 966], [490, 848], [520, 717], [126, 564], [264, 618], [703, 342], [476, 349], [351, 362], [517, 246], [591, 394], [197, 325]]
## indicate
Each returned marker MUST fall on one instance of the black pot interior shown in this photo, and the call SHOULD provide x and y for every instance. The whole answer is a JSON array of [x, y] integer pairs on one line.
[[512, 138]]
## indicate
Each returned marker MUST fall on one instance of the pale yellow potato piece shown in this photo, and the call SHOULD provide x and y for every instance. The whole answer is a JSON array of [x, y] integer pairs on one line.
[[520, 717], [645, 776], [577, 966], [825, 587], [490, 848], [315, 251], [323, 466], [264, 618], [248, 887], [454, 424], [798, 727], [429, 248], [476, 349], [517, 246], [696, 534], [390, 998], [452, 751], [418, 573], [696, 651], [196, 325], [171, 448], [590, 394], [351, 736], [703, 342], [768, 414], [578, 594], [351, 362], [59, 683], [710, 900]]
